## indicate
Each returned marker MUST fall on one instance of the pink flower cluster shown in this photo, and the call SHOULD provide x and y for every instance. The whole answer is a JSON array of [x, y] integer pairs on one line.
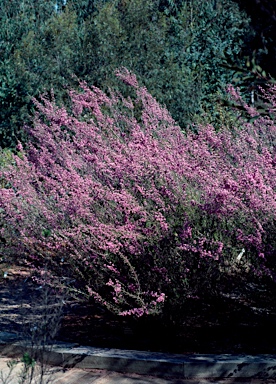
[[101, 188]]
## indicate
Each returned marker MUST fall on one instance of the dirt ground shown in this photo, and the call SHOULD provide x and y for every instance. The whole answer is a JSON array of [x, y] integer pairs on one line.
[[228, 325]]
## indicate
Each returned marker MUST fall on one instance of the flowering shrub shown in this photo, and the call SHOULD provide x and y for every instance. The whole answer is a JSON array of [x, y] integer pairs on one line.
[[123, 206]]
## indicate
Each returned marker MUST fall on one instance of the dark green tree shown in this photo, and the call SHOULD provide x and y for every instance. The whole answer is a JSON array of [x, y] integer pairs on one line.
[[176, 48], [38, 46]]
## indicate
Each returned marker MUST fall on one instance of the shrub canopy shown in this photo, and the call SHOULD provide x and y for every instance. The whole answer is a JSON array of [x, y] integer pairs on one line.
[[117, 202]]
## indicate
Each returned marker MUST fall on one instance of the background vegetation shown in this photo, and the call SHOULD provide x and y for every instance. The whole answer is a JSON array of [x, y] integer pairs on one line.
[[184, 52]]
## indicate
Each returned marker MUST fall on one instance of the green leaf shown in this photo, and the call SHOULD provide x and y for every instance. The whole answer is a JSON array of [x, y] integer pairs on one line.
[[46, 232]]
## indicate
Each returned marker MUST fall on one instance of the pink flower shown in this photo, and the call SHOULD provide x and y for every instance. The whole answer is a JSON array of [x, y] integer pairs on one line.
[[135, 204]]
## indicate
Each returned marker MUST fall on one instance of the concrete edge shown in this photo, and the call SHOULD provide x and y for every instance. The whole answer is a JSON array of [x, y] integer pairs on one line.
[[71, 355]]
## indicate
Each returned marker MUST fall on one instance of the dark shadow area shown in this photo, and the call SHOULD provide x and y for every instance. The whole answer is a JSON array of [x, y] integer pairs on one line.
[[236, 321], [231, 323], [210, 327]]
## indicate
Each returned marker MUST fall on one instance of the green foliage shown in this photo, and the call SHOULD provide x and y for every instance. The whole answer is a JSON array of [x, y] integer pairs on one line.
[[37, 52], [5, 157], [176, 48]]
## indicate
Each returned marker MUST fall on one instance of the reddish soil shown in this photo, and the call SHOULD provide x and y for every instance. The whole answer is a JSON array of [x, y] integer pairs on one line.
[[229, 324]]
